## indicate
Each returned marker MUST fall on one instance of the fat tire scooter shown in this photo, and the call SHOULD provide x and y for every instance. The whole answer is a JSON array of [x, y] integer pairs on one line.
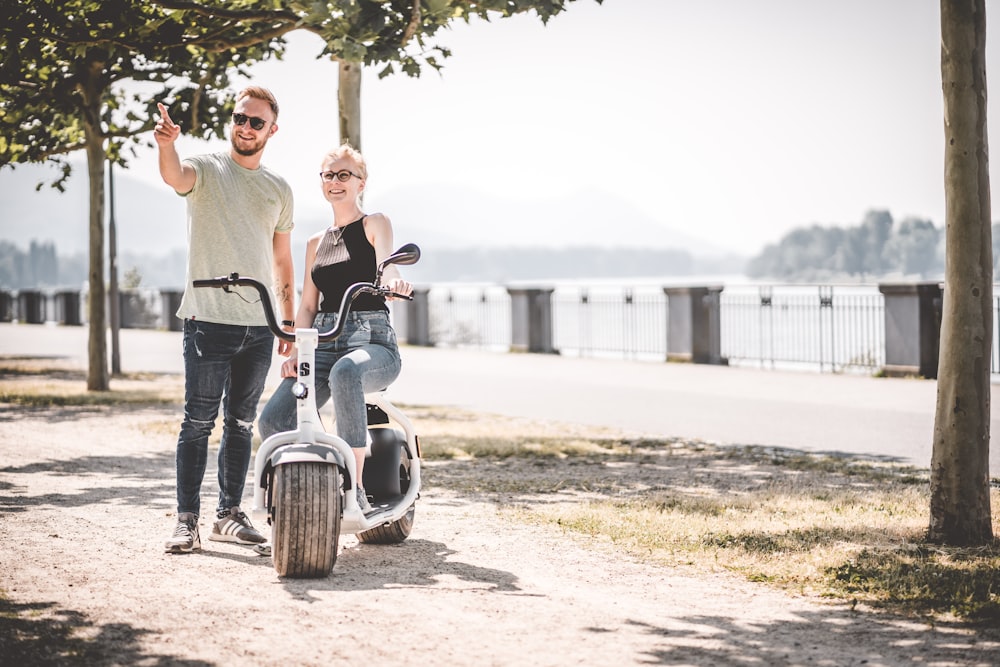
[[305, 480]]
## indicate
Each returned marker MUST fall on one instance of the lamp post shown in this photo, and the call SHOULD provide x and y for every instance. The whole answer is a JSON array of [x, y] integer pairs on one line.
[[116, 364]]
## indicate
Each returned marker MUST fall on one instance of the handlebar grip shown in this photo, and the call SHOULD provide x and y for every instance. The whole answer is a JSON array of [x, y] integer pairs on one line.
[[221, 281], [397, 295]]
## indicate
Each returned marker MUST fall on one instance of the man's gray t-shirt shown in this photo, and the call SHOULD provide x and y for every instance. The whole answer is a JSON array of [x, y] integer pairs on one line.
[[232, 216]]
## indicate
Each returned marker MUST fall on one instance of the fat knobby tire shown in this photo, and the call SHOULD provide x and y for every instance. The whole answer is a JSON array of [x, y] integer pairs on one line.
[[394, 533], [306, 517]]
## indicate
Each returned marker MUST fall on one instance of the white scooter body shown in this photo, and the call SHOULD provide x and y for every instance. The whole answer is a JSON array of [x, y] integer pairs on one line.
[[310, 442], [316, 508]]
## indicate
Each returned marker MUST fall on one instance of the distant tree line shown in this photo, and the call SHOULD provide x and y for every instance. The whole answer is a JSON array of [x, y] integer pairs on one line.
[[39, 266], [876, 248]]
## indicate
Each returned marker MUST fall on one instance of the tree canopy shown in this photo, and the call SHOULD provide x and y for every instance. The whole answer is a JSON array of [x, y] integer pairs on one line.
[[55, 56], [63, 65]]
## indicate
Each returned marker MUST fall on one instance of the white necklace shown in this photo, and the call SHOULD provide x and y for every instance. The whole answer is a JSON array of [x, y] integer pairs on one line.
[[338, 234]]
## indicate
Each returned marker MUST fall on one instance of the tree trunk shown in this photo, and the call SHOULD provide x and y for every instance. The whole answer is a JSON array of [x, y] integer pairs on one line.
[[960, 494], [349, 100], [97, 355]]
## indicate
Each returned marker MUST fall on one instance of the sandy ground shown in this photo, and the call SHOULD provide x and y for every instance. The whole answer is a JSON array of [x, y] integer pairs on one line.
[[86, 501]]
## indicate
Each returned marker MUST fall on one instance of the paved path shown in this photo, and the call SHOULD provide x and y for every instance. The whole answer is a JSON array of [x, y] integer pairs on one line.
[[809, 411]]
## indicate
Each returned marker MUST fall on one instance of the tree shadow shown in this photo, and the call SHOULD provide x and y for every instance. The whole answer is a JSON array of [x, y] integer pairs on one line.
[[140, 471], [43, 634], [824, 636]]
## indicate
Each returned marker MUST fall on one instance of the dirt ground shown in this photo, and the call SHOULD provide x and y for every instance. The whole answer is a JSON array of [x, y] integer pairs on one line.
[[87, 500]]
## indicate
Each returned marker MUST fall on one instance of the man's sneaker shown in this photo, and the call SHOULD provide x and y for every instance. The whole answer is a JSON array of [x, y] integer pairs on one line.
[[185, 538], [235, 526], [363, 501]]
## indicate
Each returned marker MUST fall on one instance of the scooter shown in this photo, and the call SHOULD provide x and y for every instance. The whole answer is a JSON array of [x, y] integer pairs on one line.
[[305, 480]]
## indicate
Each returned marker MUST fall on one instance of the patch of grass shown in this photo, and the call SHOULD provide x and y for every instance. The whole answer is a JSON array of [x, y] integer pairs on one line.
[[40, 383], [860, 546], [504, 447], [846, 528], [934, 581], [103, 398]]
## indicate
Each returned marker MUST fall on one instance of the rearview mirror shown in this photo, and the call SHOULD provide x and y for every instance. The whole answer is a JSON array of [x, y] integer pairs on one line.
[[407, 254]]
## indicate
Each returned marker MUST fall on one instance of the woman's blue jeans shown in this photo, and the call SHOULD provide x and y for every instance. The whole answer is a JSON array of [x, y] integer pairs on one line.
[[228, 364], [364, 358]]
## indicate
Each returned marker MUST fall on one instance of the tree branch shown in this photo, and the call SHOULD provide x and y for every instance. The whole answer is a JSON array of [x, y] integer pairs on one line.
[[413, 25], [222, 12]]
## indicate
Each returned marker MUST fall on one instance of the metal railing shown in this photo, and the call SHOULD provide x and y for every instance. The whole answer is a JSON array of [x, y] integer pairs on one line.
[[470, 316], [826, 328], [620, 322], [830, 328]]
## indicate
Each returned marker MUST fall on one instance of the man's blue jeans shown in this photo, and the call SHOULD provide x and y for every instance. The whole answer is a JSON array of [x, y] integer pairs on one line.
[[364, 358], [228, 364]]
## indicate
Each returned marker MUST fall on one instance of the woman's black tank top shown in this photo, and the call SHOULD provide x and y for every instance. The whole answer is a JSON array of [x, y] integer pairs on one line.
[[344, 257]]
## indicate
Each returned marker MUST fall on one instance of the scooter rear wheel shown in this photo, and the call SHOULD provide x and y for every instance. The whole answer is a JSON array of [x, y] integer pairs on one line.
[[306, 509], [398, 530], [393, 533]]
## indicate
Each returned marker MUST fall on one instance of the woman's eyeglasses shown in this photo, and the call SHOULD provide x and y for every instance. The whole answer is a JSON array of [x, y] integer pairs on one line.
[[255, 123], [343, 175]]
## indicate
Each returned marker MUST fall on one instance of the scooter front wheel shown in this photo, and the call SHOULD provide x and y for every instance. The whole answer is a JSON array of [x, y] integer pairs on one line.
[[306, 510]]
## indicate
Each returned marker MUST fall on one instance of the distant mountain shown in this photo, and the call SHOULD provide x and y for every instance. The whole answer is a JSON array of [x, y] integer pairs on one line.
[[152, 236], [450, 218], [149, 219]]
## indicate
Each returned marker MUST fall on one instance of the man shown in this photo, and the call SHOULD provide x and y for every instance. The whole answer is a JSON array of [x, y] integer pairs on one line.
[[239, 218]]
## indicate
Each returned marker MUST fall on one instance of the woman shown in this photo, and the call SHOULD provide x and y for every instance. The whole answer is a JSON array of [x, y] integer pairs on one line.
[[365, 356]]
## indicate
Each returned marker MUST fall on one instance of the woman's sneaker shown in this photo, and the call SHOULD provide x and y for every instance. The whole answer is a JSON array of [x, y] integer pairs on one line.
[[185, 538], [363, 503], [235, 526]]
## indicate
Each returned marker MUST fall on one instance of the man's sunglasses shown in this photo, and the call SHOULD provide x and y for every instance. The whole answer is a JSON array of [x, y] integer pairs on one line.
[[255, 123], [343, 175]]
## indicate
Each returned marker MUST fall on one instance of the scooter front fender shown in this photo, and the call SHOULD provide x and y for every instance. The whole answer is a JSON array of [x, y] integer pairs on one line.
[[301, 453], [288, 447]]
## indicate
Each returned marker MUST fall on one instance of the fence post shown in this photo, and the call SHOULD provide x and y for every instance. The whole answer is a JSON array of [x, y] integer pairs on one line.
[[912, 328], [531, 320], [170, 301], [411, 319], [694, 324], [31, 307], [68, 307], [6, 306]]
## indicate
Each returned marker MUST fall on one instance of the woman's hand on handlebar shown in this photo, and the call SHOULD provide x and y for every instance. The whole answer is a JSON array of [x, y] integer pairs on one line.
[[290, 367], [398, 286], [286, 347]]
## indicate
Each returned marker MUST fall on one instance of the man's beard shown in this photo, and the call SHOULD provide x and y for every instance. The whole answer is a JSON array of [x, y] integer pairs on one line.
[[247, 152]]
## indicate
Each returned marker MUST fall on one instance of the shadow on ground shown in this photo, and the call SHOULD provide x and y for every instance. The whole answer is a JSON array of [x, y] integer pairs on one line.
[[42, 633]]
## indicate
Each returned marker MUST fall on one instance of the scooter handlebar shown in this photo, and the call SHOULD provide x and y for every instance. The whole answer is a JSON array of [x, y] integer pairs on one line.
[[235, 279], [408, 254]]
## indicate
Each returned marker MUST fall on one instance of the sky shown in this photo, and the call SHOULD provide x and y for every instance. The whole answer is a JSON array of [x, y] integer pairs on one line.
[[728, 121]]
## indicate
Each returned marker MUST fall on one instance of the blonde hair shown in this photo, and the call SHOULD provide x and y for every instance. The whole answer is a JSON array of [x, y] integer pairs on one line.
[[259, 93], [347, 150]]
